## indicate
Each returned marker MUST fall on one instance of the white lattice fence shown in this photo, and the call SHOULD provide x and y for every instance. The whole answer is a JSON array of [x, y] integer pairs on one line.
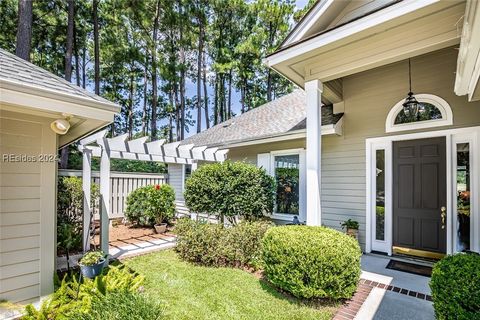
[[121, 185]]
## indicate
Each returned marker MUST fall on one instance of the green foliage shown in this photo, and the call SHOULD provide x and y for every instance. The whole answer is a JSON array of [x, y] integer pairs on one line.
[[216, 245], [121, 305], [91, 258], [151, 204], [455, 287], [312, 262], [197, 292], [70, 212], [230, 189], [350, 224], [76, 298]]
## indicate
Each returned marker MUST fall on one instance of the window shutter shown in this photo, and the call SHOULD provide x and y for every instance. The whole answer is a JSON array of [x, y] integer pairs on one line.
[[263, 161]]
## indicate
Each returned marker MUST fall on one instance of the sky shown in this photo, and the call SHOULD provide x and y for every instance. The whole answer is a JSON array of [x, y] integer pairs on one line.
[[191, 90]]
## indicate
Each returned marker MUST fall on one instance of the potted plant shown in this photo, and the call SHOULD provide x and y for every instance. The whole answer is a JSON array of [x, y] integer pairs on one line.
[[351, 227], [162, 206], [160, 226], [92, 263]]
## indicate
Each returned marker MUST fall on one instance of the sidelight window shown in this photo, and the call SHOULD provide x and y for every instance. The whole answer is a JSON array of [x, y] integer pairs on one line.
[[463, 196]]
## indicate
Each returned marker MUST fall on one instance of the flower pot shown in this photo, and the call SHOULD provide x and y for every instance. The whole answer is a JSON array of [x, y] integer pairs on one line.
[[93, 270], [352, 232], [160, 228]]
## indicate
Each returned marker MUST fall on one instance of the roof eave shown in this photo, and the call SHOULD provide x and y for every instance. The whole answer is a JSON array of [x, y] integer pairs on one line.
[[60, 96]]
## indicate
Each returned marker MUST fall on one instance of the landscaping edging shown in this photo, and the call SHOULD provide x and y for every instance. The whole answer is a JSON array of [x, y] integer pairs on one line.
[[351, 307]]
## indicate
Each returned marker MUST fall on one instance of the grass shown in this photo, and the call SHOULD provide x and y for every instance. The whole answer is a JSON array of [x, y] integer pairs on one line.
[[194, 292]]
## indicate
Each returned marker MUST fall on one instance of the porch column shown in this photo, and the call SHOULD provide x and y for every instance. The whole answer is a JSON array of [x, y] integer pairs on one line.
[[86, 184], [313, 90], [104, 195]]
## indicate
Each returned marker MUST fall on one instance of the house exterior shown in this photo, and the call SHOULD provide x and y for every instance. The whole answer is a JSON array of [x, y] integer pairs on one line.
[[407, 174], [409, 181], [271, 136], [31, 99]]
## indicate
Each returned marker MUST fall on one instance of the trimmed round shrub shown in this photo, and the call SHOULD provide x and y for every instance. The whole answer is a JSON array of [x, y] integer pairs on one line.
[[216, 245], [455, 287], [150, 204], [230, 189], [312, 262]]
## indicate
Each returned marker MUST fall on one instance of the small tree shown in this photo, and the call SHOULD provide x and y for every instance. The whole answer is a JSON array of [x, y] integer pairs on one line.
[[231, 189]]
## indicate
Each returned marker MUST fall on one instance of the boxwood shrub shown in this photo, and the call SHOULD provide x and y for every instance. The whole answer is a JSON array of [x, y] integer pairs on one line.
[[216, 245], [311, 262], [230, 189], [455, 287]]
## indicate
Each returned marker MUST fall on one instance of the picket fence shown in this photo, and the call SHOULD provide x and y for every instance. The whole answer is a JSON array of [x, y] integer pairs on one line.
[[121, 185]]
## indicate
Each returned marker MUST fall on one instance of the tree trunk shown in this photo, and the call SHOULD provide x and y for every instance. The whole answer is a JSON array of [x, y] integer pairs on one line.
[[24, 29], [170, 116], [75, 51], [130, 105], [68, 68], [69, 48], [269, 85], [84, 67], [177, 112], [215, 101], [145, 90], [242, 97], [182, 76], [199, 75], [153, 124], [229, 107], [205, 92], [96, 46]]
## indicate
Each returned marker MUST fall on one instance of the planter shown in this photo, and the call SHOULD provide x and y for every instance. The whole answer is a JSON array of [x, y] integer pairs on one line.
[[93, 270], [160, 228], [352, 233]]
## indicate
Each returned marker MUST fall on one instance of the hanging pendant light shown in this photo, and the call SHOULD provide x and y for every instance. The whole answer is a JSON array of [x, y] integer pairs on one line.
[[410, 106]]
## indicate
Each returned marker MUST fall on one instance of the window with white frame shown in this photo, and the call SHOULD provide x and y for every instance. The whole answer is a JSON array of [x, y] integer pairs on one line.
[[432, 111]]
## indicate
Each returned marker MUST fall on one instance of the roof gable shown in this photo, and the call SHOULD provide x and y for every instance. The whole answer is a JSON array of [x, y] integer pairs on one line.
[[329, 14]]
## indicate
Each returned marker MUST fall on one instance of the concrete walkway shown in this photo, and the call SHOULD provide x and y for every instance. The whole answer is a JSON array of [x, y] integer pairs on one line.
[[395, 294]]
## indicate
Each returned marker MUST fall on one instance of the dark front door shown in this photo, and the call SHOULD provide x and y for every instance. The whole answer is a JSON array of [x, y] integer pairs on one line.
[[419, 193]]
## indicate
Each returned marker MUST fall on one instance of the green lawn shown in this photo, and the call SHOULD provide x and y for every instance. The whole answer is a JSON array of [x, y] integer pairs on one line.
[[193, 292]]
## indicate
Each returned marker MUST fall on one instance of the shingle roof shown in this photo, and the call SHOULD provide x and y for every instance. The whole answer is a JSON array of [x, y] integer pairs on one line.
[[278, 117], [16, 70]]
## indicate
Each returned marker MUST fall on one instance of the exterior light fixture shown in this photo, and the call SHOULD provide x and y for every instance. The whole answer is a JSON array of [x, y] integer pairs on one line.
[[61, 126], [411, 105]]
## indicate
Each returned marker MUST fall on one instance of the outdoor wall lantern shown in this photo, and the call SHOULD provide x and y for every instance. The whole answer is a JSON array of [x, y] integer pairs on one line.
[[410, 106]]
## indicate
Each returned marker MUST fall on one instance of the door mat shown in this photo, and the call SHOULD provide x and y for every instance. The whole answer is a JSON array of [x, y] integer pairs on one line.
[[410, 268]]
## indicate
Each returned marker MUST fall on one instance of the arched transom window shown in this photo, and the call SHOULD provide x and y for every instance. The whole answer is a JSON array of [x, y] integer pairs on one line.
[[432, 111]]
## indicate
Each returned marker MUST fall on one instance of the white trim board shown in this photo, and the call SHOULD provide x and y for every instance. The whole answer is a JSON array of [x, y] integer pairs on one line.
[[453, 136]]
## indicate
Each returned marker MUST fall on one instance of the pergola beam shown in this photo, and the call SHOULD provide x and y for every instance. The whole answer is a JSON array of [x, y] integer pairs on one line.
[[120, 147]]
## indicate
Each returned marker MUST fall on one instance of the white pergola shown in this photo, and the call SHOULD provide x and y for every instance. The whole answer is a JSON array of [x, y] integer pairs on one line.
[[119, 147]]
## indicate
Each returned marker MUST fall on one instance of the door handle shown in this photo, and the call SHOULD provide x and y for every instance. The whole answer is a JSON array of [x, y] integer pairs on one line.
[[443, 214]]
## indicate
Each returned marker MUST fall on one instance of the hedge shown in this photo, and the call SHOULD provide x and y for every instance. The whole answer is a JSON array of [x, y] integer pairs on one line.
[[219, 246], [312, 262], [455, 287]]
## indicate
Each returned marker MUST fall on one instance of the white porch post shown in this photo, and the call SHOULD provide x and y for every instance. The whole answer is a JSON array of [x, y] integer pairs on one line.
[[86, 183], [313, 90], [105, 195]]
